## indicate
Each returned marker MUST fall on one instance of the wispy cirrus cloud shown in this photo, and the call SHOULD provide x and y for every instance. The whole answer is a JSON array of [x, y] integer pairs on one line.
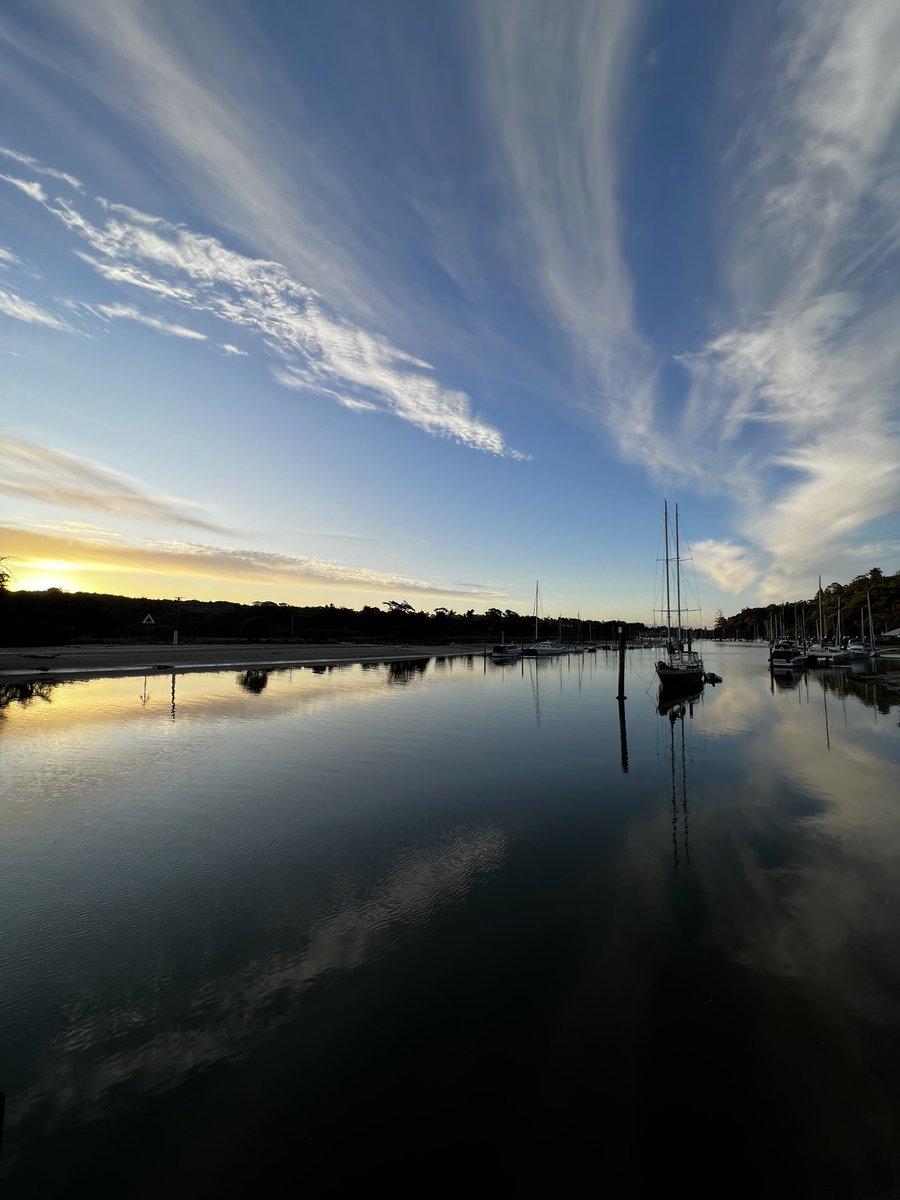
[[555, 88], [261, 161], [31, 189], [263, 172], [318, 350], [229, 564], [32, 472], [793, 403], [802, 369], [128, 312], [20, 309], [334, 533], [124, 273], [268, 566], [38, 168]]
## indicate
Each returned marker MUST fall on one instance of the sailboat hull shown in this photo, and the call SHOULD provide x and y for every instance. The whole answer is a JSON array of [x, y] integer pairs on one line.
[[672, 675]]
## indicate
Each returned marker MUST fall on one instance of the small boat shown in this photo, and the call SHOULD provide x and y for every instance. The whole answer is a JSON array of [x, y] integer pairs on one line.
[[544, 649], [856, 649], [506, 652], [832, 654], [785, 655], [682, 668]]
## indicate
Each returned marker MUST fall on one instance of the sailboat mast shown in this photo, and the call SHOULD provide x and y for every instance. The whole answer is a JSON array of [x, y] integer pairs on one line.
[[668, 594], [537, 584], [821, 622], [678, 575], [871, 627]]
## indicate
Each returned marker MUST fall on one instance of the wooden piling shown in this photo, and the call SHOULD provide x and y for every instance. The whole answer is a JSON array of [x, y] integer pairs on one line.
[[622, 639]]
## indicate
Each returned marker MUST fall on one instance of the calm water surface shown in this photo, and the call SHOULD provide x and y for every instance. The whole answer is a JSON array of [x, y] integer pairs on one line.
[[423, 927]]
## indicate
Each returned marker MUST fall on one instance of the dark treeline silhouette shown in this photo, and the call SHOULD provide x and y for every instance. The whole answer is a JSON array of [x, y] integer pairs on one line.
[[55, 617], [875, 588]]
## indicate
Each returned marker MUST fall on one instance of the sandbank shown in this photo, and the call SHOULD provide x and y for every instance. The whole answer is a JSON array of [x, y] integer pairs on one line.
[[73, 662]]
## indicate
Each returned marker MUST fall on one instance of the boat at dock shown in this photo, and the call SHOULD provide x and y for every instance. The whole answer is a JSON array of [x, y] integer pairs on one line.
[[785, 655], [506, 652], [543, 650]]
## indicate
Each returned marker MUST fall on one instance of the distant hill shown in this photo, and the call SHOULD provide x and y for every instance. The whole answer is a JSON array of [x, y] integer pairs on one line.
[[882, 591]]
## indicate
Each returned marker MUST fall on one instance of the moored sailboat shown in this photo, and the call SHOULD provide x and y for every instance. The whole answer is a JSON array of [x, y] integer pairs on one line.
[[545, 648], [681, 668]]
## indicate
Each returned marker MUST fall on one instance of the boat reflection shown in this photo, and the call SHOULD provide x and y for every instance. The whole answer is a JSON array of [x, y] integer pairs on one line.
[[785, 681], [676, 708]]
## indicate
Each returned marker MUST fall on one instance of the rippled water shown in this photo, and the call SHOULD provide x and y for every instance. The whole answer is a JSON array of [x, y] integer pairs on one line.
[[409, 926]]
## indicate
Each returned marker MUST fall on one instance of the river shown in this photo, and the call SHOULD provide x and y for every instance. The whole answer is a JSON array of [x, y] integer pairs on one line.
[[401, 928]]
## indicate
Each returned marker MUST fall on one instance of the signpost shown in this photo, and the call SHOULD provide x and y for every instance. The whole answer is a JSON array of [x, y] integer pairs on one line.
[[148, 621]]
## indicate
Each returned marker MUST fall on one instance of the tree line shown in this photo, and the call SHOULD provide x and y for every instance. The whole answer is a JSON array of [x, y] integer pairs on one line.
[[55, 617], [874, 588]]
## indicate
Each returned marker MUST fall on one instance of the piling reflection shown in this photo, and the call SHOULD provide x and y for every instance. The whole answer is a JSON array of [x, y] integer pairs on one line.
[[623, 736]]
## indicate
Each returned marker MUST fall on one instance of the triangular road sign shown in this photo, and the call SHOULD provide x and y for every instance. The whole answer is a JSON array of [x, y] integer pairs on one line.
[[148, 620]]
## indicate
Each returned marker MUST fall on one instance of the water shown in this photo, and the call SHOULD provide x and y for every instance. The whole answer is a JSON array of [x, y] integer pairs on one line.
[[451, 925]]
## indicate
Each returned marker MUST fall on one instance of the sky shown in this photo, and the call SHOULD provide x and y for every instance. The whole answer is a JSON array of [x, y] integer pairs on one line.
[[365, 301]]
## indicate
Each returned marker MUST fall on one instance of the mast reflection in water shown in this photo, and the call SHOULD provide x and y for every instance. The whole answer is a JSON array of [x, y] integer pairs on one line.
[[675, 710]]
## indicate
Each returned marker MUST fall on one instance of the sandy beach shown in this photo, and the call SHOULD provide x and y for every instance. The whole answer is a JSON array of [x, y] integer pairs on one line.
[[72, 662]]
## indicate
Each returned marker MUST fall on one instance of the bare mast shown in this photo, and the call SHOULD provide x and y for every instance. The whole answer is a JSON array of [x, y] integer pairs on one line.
[[668, 594], [678, 578]]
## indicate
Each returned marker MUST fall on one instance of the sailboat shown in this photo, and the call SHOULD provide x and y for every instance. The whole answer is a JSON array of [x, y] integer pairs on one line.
[[543, 649], [860, 648], [680, 668]]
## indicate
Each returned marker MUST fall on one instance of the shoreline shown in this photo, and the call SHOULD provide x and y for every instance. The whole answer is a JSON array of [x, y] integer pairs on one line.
[[73, 662]]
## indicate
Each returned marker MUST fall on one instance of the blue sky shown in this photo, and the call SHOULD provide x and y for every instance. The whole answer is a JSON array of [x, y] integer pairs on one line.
[[365, 301]]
